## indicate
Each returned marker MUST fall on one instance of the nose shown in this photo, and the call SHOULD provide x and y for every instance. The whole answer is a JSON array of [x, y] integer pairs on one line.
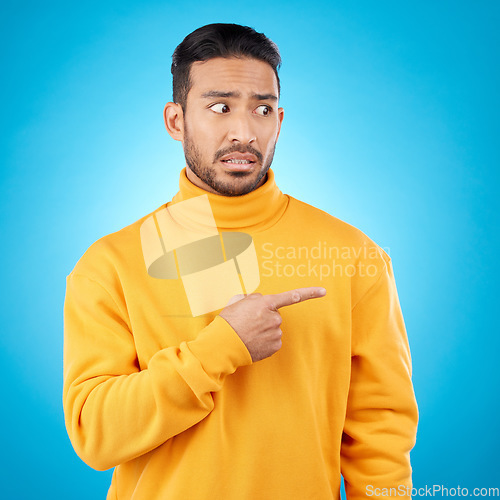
[[241, 129]]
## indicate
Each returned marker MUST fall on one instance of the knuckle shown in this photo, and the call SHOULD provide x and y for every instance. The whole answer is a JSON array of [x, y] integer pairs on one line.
[[268, 300]]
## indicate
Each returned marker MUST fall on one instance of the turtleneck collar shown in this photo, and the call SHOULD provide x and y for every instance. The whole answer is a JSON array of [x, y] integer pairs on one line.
[[254, 211]]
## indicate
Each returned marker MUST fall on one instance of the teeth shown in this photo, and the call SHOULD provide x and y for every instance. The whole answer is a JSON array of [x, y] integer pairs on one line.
[[237, 161]]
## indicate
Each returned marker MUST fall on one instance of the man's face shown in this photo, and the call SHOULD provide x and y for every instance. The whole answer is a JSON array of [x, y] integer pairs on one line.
[[231, 124]]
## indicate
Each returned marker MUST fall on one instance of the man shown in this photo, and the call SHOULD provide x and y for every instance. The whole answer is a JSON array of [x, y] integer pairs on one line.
[[237, 343]]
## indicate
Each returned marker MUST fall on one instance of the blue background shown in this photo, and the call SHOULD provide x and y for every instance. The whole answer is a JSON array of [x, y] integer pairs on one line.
[[391, 123]]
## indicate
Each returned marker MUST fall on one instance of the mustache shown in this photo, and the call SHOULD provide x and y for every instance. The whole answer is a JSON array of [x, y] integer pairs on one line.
[[240, 148]]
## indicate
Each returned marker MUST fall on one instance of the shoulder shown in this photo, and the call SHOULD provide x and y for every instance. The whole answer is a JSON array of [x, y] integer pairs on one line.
[[344, 247], [333, 231], [111, 252]]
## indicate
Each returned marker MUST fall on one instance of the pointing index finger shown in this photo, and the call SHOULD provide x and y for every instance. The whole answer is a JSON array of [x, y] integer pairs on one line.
[[295, 296]]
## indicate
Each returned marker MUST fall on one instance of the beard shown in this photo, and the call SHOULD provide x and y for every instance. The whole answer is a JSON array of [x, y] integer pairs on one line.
[[244, 182]]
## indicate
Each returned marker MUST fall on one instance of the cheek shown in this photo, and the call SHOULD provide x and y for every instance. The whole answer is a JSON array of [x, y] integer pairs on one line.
[[270, 139], [199, 137], [208, 135]]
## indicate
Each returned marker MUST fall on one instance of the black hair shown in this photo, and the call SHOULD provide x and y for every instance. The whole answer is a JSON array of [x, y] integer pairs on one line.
[[219, 40]]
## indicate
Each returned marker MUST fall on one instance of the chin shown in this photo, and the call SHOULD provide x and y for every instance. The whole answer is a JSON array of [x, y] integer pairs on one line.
[[237, 185], [240, 175]]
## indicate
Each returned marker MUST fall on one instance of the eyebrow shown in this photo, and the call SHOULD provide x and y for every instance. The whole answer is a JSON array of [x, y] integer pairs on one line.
[[224, 95]]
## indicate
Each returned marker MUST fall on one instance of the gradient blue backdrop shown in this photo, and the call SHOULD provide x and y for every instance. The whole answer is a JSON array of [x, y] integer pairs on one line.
[[391, 123]]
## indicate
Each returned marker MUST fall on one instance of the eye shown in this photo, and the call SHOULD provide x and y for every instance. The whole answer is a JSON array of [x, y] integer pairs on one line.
[[263, 110], [220, 108]]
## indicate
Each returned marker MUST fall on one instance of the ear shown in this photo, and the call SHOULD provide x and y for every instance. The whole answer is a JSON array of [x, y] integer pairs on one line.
[[174, 120], [281, 115]]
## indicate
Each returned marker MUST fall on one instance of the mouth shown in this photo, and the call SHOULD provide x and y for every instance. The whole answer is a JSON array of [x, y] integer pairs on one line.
[[240, 162]]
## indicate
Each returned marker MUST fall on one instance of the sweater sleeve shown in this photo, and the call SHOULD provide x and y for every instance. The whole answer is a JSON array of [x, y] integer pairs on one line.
[[114, 411], [381, 420]]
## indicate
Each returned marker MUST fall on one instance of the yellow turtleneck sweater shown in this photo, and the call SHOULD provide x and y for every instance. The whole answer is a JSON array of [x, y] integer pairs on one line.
[[162, 388]]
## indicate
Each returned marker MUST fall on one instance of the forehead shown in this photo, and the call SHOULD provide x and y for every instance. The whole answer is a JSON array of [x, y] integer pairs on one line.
[[244, 75]]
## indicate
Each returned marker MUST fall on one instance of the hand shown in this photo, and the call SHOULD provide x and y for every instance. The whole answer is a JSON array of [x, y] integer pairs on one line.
[[255, 318]]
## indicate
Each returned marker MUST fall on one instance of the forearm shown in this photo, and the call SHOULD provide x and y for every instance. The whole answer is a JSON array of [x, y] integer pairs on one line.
[[379, 433], [116, 412]]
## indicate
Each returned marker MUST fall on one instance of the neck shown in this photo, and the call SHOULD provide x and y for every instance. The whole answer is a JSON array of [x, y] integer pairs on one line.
[[254, 211]]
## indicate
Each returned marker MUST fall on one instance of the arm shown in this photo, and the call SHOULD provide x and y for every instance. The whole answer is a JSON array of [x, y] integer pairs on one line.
[[114, 411], [381, 419]]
